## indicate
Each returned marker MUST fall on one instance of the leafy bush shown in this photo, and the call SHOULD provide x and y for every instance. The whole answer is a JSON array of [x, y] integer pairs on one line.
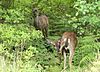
[[87, 17], [86, 51], [12, 16], [17, 43], [15, 37], [20, 45]]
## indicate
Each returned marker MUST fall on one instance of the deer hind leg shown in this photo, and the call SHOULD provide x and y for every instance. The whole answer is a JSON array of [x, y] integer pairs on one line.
[[70, 58], [64, 53]]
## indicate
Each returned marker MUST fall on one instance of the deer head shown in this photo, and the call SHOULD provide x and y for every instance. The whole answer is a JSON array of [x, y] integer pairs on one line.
[[35, 11], [56, 44]]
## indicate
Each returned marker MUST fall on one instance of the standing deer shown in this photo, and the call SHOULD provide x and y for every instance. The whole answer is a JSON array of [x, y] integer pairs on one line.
[[41, 22], [68, 41]]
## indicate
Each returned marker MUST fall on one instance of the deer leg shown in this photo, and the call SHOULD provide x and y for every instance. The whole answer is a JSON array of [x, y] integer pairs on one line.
[[43, 32], [70, 58], [46, 32], [64, 43], [61, 48], [64, 53]]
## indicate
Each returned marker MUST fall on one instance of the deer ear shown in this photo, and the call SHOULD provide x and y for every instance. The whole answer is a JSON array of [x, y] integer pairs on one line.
[[50, 42], [53, 43]]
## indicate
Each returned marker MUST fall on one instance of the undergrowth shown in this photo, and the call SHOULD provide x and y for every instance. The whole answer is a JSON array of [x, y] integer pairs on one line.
[[25, 50]]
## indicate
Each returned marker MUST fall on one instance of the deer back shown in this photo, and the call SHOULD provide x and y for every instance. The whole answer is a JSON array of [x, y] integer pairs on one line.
[[69, 39]]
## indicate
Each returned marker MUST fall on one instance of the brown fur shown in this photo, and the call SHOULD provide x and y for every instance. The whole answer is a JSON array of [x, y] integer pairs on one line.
[[72, 37], [41, 23]]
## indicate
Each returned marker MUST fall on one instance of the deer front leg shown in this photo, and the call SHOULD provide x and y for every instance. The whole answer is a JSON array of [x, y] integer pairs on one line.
[[46, 32], [43, 32]]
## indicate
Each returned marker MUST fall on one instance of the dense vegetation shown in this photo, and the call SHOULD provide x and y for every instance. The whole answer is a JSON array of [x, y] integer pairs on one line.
[[23, 49]]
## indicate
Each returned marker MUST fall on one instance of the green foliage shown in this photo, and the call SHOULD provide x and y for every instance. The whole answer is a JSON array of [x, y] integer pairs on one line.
[[13, 16], [17, 37], [6, 3], [87, 15], [86, 51], [22, 48], [19, 45], [18, 13], [55, 69], [19, 66]]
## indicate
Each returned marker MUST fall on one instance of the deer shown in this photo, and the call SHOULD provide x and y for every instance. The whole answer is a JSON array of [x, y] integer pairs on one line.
[[40, 22], [68, 41]]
